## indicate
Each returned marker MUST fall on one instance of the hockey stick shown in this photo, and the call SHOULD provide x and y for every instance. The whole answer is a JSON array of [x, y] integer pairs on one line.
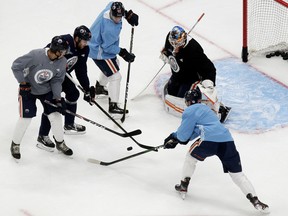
[[128, 134], [150, 81], [91, 160], [107, 114], [128, 76], [196, 23]]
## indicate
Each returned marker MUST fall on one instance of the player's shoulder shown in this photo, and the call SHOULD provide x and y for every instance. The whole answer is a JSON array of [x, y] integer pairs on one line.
[[196, 109], [37, 53]]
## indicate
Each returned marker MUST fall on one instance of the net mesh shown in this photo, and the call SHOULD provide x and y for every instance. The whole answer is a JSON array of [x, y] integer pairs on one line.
[[267, 26]]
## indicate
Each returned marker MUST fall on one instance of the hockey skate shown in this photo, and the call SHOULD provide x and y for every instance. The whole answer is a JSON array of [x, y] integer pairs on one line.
[[182, 188], [44, 142], [15, 150], [61, 146], [224, 112], [116, 111], [258, 204], [100, 91], [74, 129]]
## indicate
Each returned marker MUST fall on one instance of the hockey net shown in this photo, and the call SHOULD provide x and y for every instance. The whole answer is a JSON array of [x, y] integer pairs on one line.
[[265, 26]]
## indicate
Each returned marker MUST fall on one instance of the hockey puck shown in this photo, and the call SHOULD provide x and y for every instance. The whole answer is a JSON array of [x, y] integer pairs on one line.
[[129, 148]]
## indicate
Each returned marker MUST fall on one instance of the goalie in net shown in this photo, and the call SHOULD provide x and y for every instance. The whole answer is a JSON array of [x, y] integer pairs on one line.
[[191, 69]]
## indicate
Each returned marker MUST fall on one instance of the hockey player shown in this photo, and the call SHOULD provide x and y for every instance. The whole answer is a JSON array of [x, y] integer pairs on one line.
[[189, 66], [201, 126], [76, 56], [104, 48], [40, 74]]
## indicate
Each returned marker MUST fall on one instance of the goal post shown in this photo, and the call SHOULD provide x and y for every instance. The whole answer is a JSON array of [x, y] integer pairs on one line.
[[265, 27]]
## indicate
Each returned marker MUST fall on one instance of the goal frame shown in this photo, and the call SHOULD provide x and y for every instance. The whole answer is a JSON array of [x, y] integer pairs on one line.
[[245, 53]]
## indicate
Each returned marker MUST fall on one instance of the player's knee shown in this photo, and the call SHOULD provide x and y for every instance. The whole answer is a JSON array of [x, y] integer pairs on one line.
[[115, 77]]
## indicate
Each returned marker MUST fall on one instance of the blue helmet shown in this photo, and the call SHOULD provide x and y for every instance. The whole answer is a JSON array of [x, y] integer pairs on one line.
[[177, 36], [193, 96]]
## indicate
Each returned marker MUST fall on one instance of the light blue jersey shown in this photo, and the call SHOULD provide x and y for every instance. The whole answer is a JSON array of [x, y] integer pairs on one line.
[[200, 120], [104, 43]]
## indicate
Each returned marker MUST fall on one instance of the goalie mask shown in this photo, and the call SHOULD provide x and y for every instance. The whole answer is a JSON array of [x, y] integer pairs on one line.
[[177, 37]]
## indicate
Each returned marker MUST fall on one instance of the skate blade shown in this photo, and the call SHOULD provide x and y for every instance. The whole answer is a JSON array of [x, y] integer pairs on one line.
[[118, 116], [59, 152], [71, 132], [40, 146], [183, 195], [16, 160], [264, 211], [101, 96]]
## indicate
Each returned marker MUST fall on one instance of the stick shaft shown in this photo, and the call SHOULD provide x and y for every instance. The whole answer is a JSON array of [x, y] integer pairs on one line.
[[128, 76], [124, 158]]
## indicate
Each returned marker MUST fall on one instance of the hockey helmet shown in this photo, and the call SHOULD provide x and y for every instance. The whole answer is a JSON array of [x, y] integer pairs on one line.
[[193, 96], [59, 43], [177, 36], [82, 32], [117, 9]]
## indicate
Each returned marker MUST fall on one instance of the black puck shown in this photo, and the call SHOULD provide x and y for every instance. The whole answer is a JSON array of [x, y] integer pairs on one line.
[[129, 148]]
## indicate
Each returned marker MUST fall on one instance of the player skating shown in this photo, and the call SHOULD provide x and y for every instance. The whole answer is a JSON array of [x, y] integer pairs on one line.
[[200, 124], [104, 48], [40, 74], [76, 56]]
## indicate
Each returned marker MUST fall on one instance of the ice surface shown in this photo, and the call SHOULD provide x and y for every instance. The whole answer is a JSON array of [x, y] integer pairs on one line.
[[45, 184]]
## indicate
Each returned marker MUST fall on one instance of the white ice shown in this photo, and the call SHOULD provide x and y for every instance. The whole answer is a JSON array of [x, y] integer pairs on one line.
[[45, 184]]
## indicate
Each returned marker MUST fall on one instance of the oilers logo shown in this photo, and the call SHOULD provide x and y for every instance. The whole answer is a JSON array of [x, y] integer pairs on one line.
[[173, 64], [43, 75], [71, 62]]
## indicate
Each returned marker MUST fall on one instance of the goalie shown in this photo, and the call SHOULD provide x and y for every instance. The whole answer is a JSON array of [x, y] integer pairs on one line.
[[191, 69]]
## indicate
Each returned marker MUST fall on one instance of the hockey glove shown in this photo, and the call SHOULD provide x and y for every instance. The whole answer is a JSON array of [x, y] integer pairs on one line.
[[61, 106], [89, 95], [170, 142], [131, 18], [128, 57], [24, 89]]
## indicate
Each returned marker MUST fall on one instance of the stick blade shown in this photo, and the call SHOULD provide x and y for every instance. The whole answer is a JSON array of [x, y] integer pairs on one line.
[[91, 160], [133, 133], [123, 118]]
